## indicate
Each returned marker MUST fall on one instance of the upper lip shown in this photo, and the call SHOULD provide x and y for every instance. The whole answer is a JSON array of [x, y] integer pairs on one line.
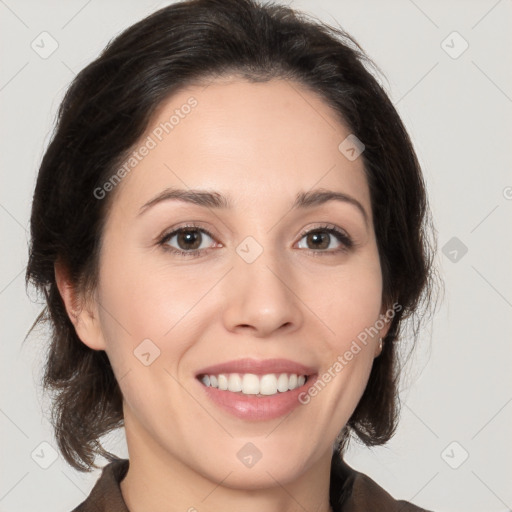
[[258, 367]]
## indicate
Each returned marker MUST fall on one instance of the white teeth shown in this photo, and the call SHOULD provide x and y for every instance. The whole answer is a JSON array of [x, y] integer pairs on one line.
[[223, 382], [282, 383], [235, 382], [268, 385], [251, 384]]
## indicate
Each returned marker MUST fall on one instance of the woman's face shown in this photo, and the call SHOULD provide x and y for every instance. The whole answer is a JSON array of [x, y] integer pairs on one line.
[[252, 284]]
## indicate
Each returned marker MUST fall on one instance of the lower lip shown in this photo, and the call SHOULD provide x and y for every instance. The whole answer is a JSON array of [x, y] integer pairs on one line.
[[253, 408]]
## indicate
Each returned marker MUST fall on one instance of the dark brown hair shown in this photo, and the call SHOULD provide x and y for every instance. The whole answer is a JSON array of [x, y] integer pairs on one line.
[[107, 109]]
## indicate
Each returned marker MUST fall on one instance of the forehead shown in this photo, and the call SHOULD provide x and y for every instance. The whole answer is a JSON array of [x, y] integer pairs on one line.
[[247, 140]]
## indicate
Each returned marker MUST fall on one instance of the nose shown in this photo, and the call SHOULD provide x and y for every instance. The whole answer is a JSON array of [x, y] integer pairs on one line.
[[260, 297]]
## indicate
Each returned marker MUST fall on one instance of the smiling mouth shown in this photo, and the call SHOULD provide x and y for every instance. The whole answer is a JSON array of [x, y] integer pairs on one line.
[[254, 385]]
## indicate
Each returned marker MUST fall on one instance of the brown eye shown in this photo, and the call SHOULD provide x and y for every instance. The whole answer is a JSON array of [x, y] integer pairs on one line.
[[188, 240], [321, 239], [318, 240]]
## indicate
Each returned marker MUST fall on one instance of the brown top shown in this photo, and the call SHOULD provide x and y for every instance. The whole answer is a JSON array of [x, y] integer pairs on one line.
[[350, 491]]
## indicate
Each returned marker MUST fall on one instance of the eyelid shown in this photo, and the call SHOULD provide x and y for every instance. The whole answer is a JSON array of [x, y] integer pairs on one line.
[[169, 233], [343, 237], [325, 227]]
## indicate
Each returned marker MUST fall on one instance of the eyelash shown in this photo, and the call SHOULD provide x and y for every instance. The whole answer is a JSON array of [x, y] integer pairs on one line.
[[342, 237]]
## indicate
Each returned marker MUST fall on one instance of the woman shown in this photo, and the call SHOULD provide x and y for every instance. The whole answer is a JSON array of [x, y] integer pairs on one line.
[[229, 227]]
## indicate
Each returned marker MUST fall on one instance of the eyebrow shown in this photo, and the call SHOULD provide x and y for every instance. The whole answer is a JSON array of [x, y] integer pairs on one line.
[[216, 200]]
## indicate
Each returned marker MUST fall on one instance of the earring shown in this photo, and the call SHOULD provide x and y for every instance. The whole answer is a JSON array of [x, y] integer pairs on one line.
[[380, 345]]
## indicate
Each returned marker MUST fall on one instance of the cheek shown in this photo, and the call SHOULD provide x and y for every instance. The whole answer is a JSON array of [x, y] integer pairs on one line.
[[151, 312], [143, 316], [350, 302], [145, 297], [349, 305]]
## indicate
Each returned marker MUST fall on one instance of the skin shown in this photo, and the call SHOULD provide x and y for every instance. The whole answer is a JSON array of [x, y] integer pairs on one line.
[[260, 144]]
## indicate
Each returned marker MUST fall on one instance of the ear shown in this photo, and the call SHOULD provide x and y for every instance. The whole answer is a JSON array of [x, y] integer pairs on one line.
[[82, 313], [386, 315]]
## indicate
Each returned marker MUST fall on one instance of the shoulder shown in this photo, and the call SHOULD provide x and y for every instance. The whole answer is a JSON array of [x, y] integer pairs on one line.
[[106, 494], [357, 492]]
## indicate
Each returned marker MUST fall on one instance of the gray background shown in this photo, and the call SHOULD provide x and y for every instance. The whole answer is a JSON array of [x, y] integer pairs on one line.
[[457, 393]]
